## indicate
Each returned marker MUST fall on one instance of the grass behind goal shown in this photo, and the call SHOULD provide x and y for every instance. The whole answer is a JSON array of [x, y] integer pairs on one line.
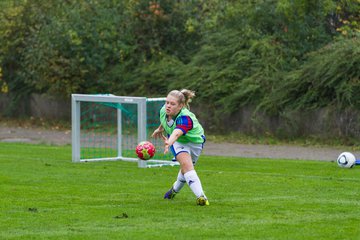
[[46, 196]]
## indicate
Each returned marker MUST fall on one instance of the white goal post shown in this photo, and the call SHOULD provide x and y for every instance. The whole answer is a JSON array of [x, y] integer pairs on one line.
[[106, 127]]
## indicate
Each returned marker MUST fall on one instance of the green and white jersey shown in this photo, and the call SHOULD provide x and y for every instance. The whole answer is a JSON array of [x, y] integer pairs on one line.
[[187, 122]]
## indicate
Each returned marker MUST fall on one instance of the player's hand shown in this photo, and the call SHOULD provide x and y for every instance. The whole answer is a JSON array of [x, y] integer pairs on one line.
[[166, 148], [158, 133]]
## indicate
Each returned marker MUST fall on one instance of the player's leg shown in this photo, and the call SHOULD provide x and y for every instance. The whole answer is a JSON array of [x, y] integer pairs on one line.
[[191, 177], [187, 155], [177, 186], [195, 150], [180, 182], [175, 149]]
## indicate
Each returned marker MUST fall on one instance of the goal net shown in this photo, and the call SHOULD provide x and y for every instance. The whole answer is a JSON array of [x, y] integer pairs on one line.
[[109, 127]]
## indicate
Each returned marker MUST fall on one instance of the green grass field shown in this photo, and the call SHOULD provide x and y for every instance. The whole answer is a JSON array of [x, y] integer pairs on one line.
[[43, 195]]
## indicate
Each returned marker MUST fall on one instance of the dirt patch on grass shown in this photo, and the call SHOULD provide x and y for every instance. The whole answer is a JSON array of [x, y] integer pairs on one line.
[[38, 135]]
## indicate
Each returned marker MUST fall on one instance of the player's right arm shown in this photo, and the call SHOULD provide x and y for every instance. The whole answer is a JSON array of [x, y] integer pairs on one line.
[[159, 133]]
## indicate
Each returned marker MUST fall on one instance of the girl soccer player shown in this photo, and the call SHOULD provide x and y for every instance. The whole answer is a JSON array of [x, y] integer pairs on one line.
[[185, 139]]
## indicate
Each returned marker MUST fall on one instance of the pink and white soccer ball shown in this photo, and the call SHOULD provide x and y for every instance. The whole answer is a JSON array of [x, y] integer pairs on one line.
[[145, 150], [346, 160]]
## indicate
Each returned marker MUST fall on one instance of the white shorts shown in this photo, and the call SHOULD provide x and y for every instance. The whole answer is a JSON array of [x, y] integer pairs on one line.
[[194, 149]]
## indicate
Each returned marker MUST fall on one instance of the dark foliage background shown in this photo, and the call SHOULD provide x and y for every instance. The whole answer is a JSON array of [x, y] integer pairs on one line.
[[278, 56]]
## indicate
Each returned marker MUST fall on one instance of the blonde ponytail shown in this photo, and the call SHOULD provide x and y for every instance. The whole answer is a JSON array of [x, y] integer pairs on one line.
[[184, 96], [188, 94]]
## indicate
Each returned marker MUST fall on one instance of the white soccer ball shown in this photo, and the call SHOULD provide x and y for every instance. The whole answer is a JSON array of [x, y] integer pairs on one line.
[[346, 160]]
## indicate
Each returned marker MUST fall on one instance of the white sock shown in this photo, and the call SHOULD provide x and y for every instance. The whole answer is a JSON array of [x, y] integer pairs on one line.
[[194, 183], [180, 182]]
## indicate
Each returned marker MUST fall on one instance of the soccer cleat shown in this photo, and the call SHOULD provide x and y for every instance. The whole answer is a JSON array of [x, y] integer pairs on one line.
[[202, 201], [170, 194]]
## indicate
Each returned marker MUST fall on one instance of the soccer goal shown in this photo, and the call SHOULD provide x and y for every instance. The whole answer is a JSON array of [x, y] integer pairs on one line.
[[106, 127]]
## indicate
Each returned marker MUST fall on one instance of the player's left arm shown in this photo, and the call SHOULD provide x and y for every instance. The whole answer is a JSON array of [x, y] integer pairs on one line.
[[173, 137], [183, 125]]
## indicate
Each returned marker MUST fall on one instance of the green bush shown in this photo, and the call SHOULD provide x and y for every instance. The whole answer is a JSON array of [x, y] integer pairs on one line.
[[330, 77], [274, 55]]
